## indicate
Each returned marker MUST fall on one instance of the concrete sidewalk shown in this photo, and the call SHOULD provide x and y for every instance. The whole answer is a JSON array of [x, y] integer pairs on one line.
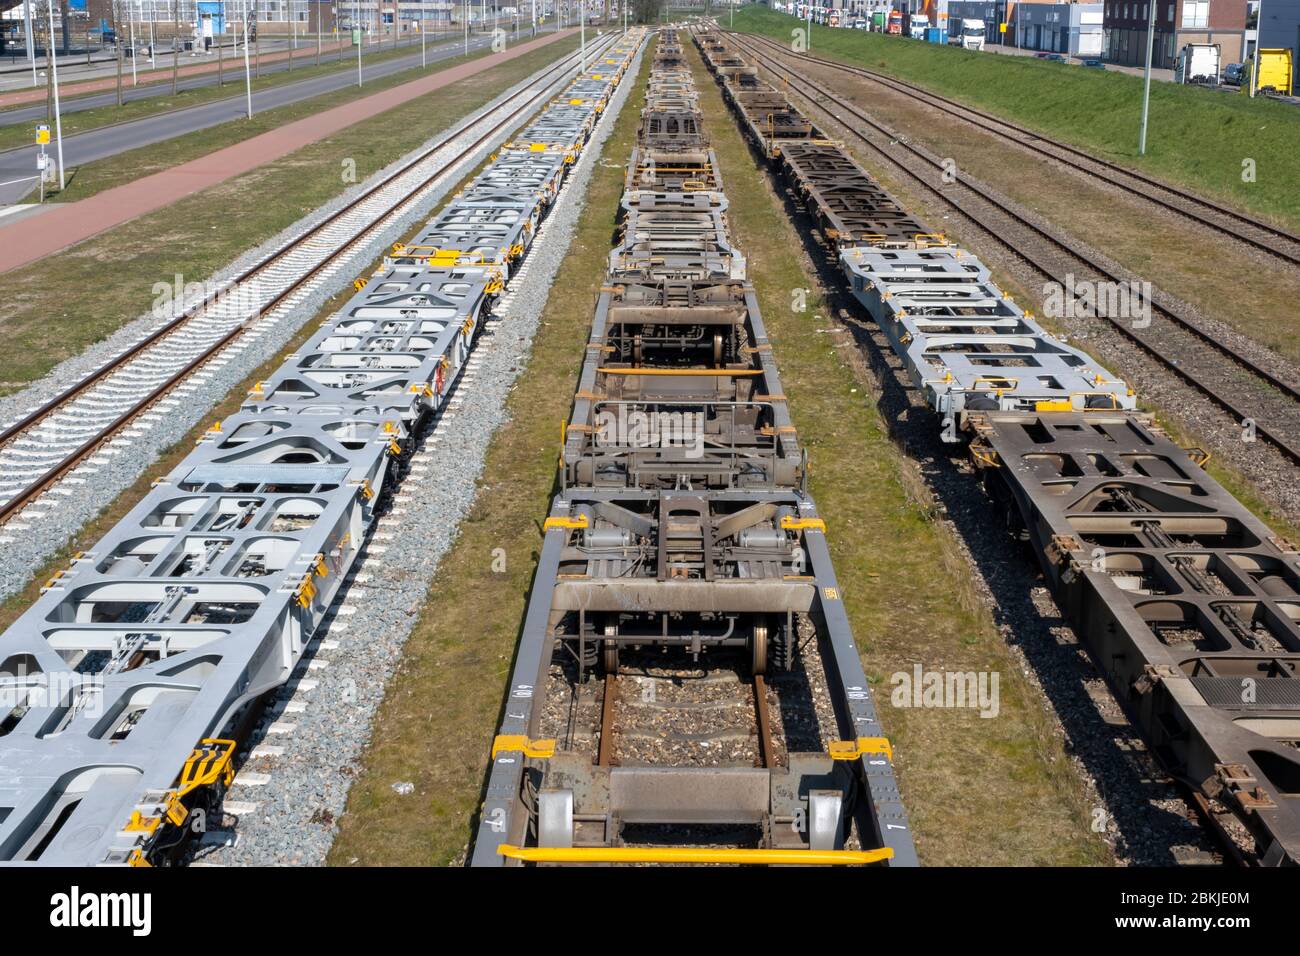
[[22, 243]]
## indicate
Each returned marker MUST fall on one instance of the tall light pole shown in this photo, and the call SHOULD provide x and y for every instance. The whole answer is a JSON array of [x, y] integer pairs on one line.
[[134, 52], [54, 78], [356, 33], [248, 76], [1146, 78], [31, 43], [465, 16], [582, 21]]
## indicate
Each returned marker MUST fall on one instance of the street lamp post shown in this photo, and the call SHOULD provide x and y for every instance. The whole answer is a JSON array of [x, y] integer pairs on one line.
[[58, 121], [248, 75], [1146, 78], [31, 42], [356, 30]]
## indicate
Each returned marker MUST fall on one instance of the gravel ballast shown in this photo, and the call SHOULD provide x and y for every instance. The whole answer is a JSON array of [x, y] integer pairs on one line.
[[301, 761], [48, 523]]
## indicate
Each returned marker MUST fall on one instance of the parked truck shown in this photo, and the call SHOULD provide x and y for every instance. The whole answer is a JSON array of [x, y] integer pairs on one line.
[[1198, 63], [966, 33], [1269, 71], [917, 24], [895, 27]]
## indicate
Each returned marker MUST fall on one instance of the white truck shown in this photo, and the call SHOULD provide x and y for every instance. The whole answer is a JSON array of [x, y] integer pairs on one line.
[[966, 33], [917, 24], [1198, 63]]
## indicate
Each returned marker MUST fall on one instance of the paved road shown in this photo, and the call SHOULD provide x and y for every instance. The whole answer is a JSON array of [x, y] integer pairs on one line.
[[26, 239], [234, 72], [18, 166]]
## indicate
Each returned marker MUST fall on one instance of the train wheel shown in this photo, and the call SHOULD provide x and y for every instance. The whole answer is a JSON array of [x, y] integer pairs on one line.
[[609, 650], [758, 649]]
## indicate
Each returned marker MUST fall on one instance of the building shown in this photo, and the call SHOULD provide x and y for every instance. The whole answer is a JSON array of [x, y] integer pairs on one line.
[[990, 11], [1177, 23], [1075, 29], [1279, 26]]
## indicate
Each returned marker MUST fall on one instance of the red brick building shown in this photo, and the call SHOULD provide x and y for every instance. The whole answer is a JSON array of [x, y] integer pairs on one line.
[[1178, 22]]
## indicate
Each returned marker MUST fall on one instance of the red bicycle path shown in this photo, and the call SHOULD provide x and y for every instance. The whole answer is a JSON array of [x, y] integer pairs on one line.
[[34, 238]]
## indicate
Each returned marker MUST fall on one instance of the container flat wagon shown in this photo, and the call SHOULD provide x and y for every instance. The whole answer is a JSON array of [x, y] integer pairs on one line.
[[126, 683], [686, 687], [1188, 604]]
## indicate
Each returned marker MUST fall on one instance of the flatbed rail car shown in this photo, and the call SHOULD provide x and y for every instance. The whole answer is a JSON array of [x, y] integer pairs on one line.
[[123, 684], [1187, 603], [682, 556]]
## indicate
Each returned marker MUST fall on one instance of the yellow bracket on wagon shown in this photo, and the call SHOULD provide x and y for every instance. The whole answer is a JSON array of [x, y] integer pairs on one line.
[[520, 743], [791, 523], [853, 749], [570, 524], [694, 854]]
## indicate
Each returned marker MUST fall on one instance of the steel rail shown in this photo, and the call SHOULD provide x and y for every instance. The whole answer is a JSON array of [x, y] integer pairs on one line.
[[86, 448], [966, 113], [1280, 442]]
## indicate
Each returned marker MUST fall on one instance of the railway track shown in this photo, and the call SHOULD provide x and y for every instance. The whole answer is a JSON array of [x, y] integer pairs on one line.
[[1232, 381], [1221, 219], [49, 442], [1184, 600], [199, 605], [686, 689]]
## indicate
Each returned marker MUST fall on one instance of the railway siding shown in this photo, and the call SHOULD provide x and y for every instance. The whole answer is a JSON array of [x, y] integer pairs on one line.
[[208, 593], [1189, 606], [708, 556]]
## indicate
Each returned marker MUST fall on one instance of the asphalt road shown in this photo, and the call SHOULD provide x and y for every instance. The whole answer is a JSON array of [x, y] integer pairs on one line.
[[234, 72], [18, 166]]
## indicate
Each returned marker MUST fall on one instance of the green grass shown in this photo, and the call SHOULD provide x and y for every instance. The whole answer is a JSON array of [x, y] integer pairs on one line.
[[907, 586], [126, 167], [442, 705], [1197, 138], [441, 708], [101, 116], [57, 307]]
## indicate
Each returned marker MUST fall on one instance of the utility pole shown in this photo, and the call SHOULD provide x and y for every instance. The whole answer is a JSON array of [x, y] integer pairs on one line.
[[1146, 78], [117, 33], [54, 80], [176, 48], [31, 37], [135, 54], [465, 16], [356, 33], [248, 77], [317, 4], [221, 56], [293, 33]]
